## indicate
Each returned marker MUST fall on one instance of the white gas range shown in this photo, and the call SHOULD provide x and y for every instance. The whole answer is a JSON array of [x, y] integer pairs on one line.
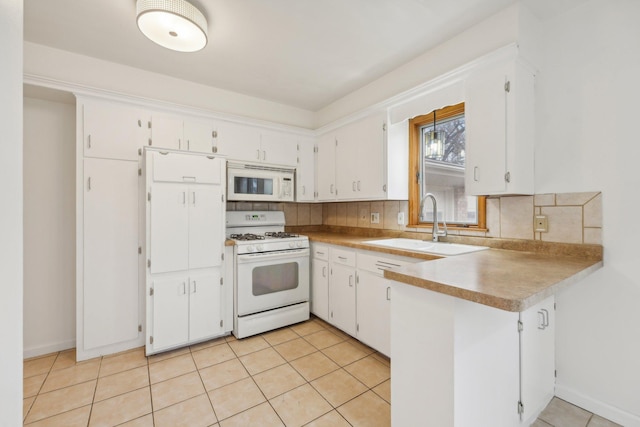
[[271, 280]]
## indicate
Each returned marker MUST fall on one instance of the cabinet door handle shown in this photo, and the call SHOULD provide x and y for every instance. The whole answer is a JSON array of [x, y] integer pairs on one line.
[[324, 271], [331, 189], [475, 173], [388, 293], [195, 287], [358, 185], [88, 141], [353, 186], [188, 145], [343, 258], [184, 288], [351, 281], [303, 190], [264, 155], [184, 197], [179, 144], [194, 198], [89, 184], [258, 154], [319, 253], [544, 316]]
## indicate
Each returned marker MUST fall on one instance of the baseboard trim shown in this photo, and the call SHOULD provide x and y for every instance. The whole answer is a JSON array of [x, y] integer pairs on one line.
[[49, 348], [602, 409]]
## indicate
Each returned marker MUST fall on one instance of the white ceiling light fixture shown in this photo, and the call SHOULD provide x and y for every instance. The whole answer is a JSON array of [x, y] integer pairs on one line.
[[174, 24]]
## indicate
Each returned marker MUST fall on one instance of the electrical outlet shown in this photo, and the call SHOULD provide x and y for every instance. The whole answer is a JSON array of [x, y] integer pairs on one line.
[[375, 218], [541, 224], [400, 218]]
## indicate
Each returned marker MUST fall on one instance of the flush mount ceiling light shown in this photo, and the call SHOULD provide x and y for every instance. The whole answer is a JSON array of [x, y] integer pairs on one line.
[[174, 24]]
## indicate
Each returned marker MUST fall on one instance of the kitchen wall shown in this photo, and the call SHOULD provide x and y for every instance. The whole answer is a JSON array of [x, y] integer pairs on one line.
[[587, 138], [49, 226], [11, 26]]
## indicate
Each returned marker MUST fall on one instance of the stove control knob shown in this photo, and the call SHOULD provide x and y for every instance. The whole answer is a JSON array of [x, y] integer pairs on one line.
[[299, 244], [249, 248], [292, 245], [259, 248]]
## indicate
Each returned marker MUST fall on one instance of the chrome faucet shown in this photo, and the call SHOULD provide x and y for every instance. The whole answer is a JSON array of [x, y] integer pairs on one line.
[[435, 230]]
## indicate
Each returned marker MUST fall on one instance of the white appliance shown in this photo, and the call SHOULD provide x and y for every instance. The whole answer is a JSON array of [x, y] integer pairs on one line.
[[262, 183], [271, 281]]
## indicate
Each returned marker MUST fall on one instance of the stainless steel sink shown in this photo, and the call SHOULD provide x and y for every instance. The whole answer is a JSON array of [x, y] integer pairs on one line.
[[434, 248]]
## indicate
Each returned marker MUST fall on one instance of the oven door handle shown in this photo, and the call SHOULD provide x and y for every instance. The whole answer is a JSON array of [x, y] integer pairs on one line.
[[289, 253]]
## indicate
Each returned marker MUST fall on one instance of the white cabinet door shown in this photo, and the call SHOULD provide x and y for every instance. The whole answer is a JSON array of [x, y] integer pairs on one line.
[[326, 168], [199, 135], [113, 131], [238, 142], [279, 148], [499, 128], [110, 307], [306, 171], [167, 131], [170, 312], [169, 237], [370, 158], [373, 310], [538, 356], [320, 288], [205, 304], [342, 298], [206, 226], [347, 163]]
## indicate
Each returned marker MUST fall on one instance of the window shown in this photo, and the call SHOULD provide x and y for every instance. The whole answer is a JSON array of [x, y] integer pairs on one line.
[[443, 174]]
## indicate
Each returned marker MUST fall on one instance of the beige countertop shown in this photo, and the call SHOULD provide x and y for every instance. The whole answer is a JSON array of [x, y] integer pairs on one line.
[[511, 280]]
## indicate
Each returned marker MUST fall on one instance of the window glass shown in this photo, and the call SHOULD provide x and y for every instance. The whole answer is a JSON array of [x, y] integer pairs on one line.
[[441, 172]]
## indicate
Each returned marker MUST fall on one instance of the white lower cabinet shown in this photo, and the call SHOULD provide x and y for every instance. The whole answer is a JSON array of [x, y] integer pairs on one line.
[[349, 291], [186, 309], [374, 311], [483, 366], [320, 281]]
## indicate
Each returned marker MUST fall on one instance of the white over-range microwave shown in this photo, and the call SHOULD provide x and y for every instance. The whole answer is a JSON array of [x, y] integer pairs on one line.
[[256, 182]]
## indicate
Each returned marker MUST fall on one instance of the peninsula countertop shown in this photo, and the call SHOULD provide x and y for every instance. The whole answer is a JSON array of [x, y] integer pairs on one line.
[[511, 280]]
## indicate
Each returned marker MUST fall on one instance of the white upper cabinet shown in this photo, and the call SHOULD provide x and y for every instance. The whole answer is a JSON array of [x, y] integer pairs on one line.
[[351, 163], [499, 113], [177, 132], [238, 142], [112, 130], [326, 167], [306, 171], [360, 157], [279, 148]]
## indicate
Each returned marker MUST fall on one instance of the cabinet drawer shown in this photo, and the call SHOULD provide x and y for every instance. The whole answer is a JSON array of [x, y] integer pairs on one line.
[[172, 167], [320, 252], [340, 256], [377, 264]]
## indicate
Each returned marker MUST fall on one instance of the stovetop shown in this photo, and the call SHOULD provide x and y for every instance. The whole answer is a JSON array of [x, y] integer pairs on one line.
[[262, 231]]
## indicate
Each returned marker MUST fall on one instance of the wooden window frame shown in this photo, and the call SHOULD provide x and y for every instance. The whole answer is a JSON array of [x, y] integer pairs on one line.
[[415, 124]]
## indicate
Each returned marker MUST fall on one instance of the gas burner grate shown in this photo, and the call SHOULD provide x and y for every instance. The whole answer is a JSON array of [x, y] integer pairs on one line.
[[280, 234], [246, 236]]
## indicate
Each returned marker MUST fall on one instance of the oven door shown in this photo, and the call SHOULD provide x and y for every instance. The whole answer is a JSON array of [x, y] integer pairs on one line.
[[270, 280]]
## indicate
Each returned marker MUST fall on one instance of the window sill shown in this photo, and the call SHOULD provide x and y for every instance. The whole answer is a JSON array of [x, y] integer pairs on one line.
[[449, 227]]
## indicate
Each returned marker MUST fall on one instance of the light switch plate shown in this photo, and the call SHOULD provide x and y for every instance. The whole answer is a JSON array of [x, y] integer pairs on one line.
[[541, 224], [400, 218], [375, 218]]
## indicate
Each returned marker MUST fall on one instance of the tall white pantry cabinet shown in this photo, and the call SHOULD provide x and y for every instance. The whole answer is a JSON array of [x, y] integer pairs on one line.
[[109, 310], [184, 251]]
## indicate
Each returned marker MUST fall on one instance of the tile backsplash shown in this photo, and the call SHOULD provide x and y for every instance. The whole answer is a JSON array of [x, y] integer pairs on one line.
[[572, 217]]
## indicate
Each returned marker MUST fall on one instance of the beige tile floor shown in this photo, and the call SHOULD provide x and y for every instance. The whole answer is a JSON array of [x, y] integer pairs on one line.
[[309, 374]]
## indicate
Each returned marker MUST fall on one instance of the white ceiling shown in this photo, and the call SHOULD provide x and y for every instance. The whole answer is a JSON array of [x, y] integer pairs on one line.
[[300, 53]]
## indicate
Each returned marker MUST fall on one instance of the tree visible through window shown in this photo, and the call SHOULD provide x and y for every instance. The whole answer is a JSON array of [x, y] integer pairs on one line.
[[443, 177]]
